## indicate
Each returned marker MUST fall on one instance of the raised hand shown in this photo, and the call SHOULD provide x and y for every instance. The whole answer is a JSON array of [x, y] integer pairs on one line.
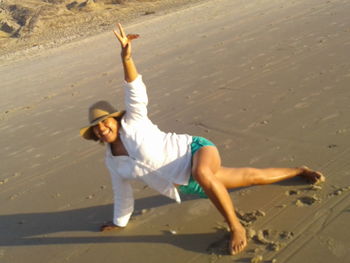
[[125, 41]]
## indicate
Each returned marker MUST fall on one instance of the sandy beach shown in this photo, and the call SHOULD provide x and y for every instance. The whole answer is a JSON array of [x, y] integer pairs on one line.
[[28, 27], [267, 81]]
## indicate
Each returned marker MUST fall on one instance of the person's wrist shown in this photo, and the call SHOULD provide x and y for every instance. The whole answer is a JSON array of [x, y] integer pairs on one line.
[[126, 58]]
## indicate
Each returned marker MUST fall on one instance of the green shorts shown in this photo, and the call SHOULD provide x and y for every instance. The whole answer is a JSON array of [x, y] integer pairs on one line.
[[193, 187]]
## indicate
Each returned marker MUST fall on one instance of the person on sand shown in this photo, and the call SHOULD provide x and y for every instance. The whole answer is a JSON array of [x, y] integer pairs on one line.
[[167, 162]]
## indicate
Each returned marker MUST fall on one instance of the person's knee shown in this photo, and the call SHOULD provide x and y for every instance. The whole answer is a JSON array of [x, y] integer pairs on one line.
[[202, 175]]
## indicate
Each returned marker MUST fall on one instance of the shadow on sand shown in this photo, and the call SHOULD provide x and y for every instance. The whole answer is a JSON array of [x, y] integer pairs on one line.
[[35, 229]]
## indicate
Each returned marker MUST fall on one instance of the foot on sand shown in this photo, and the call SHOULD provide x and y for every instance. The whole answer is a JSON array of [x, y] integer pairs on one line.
[[238, 240], [311, 176]]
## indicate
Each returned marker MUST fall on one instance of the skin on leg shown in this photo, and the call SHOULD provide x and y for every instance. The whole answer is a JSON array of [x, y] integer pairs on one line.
[[215, 180], [241, 177], [206, 163]]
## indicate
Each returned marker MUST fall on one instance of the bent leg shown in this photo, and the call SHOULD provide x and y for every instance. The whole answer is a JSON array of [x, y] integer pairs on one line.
[[206, 163], [215, 180]]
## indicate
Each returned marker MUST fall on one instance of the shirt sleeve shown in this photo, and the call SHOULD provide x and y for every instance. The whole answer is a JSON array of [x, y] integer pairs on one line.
[[123, 201], [136, 99]]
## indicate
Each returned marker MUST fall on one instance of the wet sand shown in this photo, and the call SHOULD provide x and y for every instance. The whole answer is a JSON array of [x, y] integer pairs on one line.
[[267, 81]]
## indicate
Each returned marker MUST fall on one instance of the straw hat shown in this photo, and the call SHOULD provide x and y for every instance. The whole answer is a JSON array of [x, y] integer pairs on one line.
[[99, 111]]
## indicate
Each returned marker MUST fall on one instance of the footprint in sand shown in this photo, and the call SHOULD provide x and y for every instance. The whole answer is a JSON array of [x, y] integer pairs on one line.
[[306, 201], [314, 188], [272, 240], [339, 191], [247, 219], [330, 146], [292, 192]]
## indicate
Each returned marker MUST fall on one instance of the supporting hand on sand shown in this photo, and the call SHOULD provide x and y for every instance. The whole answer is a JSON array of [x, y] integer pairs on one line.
[[125, 41], [109, 226]]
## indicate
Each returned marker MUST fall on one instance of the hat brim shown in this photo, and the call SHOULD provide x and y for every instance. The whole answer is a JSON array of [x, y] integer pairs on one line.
[[87, 132]]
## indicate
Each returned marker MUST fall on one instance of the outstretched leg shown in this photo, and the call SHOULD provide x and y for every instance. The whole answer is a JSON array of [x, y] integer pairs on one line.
[[206, 163], [240, 177]]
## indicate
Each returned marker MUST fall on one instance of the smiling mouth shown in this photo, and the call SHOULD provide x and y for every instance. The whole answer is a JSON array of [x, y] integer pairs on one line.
[[105, 133]]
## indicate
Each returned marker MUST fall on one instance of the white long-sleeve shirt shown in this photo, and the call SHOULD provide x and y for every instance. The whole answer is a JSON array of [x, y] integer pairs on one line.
[[159, 159]]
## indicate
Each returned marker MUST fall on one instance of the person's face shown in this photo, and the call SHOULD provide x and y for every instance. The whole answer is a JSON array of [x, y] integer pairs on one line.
[[107, 130]]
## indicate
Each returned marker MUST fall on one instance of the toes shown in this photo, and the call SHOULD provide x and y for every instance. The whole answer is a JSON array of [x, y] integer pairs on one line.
[[240, 248], [235, 249], [317, 177], [320, 178], [314, 177]]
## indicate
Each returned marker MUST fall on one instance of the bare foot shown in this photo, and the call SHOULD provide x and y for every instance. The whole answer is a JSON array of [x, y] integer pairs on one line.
[[238, 240], [311, 176]]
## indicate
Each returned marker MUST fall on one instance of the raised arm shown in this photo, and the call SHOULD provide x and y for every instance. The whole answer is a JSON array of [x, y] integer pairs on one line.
[[130, 71]]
